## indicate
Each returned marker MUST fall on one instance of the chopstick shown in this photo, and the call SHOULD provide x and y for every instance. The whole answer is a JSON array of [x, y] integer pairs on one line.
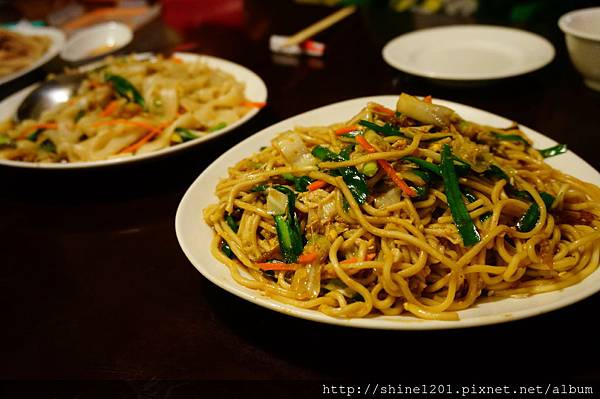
[[319, 26]]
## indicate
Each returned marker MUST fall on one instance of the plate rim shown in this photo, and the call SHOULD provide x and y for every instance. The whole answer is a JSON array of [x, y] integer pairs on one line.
[[564, 23], [58, 42], [379, 322], [401, 66], [212, 61]]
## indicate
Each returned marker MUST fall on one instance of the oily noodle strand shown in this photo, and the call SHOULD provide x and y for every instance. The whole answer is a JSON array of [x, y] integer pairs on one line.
[[406, 257]]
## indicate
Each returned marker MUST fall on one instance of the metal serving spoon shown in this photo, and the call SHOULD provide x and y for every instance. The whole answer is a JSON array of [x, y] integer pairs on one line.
[[47, 95]]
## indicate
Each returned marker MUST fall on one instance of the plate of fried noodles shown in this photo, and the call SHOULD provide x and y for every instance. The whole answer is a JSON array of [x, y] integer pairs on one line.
[[395, 212], [132, 108], [25, 48]]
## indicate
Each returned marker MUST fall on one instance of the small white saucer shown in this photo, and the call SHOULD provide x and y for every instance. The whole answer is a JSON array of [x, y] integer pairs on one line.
[[96, 41], [468, 52]]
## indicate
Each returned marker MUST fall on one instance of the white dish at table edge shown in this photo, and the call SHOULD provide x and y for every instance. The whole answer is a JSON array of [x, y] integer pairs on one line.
[[82, 44], [194, 235], [255, 90], [500, 52], [57, 38]]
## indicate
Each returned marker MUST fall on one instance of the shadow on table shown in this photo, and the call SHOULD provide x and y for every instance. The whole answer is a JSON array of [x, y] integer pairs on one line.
[[528, 350]]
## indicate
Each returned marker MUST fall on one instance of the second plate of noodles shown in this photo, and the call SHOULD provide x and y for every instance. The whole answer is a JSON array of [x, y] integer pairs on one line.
[[132, 108], [24, 48], [397, 213]]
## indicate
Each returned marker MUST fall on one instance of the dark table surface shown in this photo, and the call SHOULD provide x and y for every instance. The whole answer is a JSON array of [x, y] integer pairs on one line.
[[95, 286]]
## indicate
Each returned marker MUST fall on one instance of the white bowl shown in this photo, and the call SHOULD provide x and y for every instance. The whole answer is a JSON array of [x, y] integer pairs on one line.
[[582, 34], [95, 41]]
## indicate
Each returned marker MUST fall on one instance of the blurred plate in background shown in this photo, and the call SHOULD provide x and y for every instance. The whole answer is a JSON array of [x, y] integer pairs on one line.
[[255, 91], [57, 38], [468, 52]]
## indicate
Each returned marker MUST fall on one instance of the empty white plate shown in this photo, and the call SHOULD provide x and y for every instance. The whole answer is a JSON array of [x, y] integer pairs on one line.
[[468, 52]]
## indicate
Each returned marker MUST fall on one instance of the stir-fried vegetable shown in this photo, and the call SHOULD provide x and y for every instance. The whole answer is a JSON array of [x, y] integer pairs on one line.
[[317, 184], [386, 130], [80, 114], [34, 131], [48, 145], [390, 197], [421, 111], [370, 169], [308, 257], [352, 177], [185, 134], [277, 202], [300, 183], [387, 167], [459, 211], [342, 131], [462, 168], [495, 171], [472, 198], [421, 192], [233, 225], [531, 216], [277, 266], [5, 140], [510, 137], [288, 228], [34, 136], [553, 151], [218, 126], [110, 109], [125, 88], [226, 249], [259, 188], [254, 104], [294, 150], [423, 174]]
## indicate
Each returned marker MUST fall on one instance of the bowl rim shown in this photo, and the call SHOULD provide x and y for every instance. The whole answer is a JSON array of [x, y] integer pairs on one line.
[[83, 32], [564, 23]]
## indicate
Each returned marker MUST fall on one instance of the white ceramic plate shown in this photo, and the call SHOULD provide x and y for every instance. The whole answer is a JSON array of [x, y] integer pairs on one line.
[[58, 41], [468, 52], [255, 90], [195, 236], [107, 37]]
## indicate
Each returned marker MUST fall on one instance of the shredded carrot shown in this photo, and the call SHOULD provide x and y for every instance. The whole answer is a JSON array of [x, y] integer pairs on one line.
[[253, 104], [380, 109], [155, 131], [277, 266], [110, 108], [136, 146], [35, 127], [365, 144], [307, 257], [387, 167], [317, 184], [345, 129], [427, 99]]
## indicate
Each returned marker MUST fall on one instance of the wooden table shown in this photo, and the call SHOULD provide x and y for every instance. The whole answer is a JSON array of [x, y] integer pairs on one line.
[[95, 286]]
